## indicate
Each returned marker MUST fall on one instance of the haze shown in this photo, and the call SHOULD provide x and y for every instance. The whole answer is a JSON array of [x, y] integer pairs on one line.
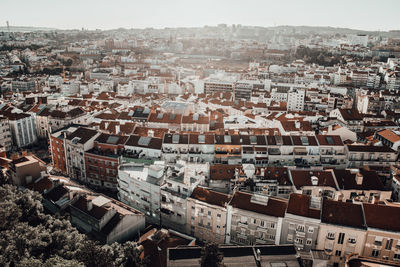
[[101, 14]]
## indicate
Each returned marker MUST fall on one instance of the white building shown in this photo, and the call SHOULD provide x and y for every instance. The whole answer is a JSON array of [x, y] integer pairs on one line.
[[295, 101], [139, 187]]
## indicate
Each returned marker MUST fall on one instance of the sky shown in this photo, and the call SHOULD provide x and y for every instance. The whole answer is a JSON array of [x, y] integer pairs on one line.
[[111, 14]]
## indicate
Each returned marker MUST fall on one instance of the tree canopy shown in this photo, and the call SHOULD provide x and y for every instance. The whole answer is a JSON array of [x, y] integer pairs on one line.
[[30, 237], [211, 256]]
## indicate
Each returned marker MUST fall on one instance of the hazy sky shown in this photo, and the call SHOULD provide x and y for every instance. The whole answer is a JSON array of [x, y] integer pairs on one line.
[[109, 14]]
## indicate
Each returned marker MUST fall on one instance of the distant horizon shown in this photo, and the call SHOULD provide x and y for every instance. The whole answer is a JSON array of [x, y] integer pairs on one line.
[[363, 15], [188, 27]]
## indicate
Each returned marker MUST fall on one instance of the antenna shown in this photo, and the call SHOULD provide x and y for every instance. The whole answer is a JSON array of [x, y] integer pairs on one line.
[[8, 26]]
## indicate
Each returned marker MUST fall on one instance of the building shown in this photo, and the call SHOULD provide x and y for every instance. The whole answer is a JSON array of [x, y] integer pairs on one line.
[[359, 155], [259, 255], [207, 215], [300, 226], [23, 128], [389, 138], [254, 219], [342, 230], [5, 133], [102, 161], [295, 100], [180, 181], [76, 143], [139, 186], [106, 219], [351, 118], [383, 234], [25, 170]]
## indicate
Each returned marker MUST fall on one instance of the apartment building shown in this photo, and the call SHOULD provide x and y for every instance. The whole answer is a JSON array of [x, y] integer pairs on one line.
[[76, 143], [383, 234], [389, 138], [201, 148], [140, 187], [228, 149], [295, 100], [5, 133], [23, 129], [207, 215], [342, 230], [143, 147], [195, 122], [360, 155], [351, 118], [175, 147], [254, 219], [314, 183], [180, 181], [300, 226], [102, 161]]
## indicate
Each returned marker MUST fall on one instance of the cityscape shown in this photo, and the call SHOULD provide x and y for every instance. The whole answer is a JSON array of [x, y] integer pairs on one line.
[[224, 144]]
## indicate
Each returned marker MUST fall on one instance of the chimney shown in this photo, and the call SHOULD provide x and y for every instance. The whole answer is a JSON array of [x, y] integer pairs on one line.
[[314, 180], [117, 129], [297, 124], [359, 178], [150, 133], [89, 205]]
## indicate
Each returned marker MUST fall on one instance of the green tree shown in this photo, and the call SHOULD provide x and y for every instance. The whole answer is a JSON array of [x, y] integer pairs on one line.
[[211, 256]]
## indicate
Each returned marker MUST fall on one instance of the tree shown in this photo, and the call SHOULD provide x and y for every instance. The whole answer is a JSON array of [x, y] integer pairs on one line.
[[30, 237], [211, 256]]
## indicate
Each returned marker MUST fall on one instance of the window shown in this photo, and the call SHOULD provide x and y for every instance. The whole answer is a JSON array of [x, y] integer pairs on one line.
[[338, 253], [290, 238], [396, 256], [389, 244], [341, 238], [331, 235], [300, 228], [272, 226], [299, 241], [218, 215], [291, 226], [310, 230], [308, 241], [375, 253], [262, 223], [352, 240], [209, 213]]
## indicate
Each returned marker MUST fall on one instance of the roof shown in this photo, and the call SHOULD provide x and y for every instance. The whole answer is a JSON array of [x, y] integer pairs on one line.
[[382, 216], [366, 148], [300, 205], [222, 172], [389, 135], [210, 196], [342, 213], [144, 141], [347, 181], [350, 114], [247, 201], [329, 140], [84, 134], [302, 178]]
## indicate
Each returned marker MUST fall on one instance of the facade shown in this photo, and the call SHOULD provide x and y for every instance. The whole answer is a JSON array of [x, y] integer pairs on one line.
[[76, 143], [342, 230], [107, 219], [300, 225], [5, 134], [255, 219], [22, 128], [103, 159], [207, 215], [140, 187]]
